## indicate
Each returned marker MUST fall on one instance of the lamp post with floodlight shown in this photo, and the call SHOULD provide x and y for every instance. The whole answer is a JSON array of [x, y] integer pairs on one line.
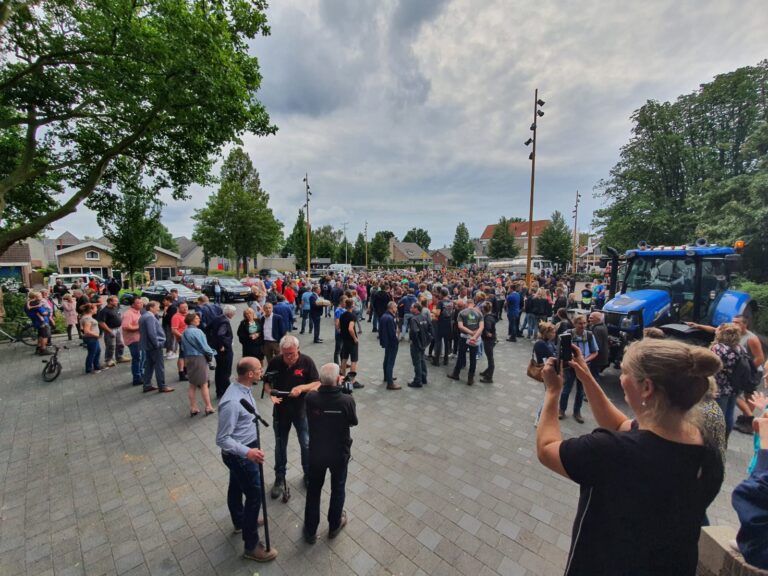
[[537, 113]]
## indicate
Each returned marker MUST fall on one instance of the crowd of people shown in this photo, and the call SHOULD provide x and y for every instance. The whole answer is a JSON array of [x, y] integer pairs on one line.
[[683, 397]]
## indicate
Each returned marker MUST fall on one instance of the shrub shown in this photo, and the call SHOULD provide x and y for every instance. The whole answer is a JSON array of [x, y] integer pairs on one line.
[[759, 293]]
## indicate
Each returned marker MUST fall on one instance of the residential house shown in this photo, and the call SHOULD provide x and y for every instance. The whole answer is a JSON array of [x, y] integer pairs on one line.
[[442, 258], [520, 231], [407, 253], [16, 263], [51, 245], [94, 257]]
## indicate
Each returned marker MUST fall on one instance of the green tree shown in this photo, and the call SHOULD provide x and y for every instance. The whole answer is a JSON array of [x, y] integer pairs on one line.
[[462, 247], [325, 241], [672, 177], [358, 254], [379, 246], [165, 239], [555, 242], [89, 83], [132, 226], [296, 243], [419, 236], [237, 219], [502, 243], [344, 251]]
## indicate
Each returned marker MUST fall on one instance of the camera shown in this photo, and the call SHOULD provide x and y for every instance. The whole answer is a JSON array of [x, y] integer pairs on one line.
[[565, 353], [348, 382]]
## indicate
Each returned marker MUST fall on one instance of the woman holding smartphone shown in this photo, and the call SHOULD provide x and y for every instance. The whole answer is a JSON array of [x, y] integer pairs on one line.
[[644, 487]]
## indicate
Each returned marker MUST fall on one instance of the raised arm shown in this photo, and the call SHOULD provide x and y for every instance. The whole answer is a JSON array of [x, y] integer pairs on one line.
[[606, 414]]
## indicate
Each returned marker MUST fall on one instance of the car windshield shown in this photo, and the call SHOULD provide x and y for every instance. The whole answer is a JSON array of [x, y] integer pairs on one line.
[[663, 273]]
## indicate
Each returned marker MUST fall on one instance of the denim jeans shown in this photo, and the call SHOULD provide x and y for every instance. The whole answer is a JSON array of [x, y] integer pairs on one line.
[[442, 345], [94, 352], [419, 365], [244, 480], [137, 362], [375, 321], [406, 320], [281, 423], [514, 320], [153, 365], [531, 324], [570, 379], [304, 318], [113, 344], [390, 354], [312, 505], [727, 403], [461, 360]]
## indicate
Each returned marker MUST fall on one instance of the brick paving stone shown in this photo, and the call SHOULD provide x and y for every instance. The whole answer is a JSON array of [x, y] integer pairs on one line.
[[443, 480]]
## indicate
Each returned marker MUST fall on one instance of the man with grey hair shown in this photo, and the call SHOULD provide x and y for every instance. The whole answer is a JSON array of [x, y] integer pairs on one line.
[[600, 331], [292, 374], [220, 338], [330, 415]]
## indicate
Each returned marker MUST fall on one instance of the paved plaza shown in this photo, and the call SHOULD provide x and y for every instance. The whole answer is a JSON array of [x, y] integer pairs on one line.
[[98, 478]]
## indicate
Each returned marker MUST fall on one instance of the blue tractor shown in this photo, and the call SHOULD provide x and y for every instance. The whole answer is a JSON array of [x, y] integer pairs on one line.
[[667, 286]]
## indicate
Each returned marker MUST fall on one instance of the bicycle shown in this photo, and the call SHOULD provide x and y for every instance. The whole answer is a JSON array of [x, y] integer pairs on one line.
[[24, 332], [52, 367]]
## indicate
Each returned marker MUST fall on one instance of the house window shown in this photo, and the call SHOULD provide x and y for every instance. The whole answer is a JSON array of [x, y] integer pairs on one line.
[[92, 255], [154, 257]]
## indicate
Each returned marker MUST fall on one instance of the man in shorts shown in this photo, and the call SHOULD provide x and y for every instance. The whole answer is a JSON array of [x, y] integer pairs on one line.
[[349, 338]]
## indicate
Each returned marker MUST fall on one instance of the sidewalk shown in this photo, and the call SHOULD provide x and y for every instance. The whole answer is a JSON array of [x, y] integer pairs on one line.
[[98, 478]]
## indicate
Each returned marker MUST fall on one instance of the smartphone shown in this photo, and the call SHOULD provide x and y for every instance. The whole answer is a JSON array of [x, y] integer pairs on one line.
[[565, 353]]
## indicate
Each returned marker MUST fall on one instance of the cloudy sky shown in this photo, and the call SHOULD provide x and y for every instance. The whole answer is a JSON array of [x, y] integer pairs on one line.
[[414, 112]]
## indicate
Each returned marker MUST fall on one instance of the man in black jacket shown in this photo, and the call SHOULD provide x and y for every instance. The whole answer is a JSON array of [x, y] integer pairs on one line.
[[330, 414], [220, 338], [600, 330]]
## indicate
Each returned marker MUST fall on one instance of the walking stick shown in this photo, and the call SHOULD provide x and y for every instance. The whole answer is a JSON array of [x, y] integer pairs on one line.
[[256, 419]]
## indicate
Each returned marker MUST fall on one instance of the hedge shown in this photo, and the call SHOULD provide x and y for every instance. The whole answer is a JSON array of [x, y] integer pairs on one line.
[[759, 293]]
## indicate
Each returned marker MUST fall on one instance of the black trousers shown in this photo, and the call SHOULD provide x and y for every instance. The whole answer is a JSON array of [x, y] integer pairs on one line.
[[338, 494], [223, 371], [488, 346]]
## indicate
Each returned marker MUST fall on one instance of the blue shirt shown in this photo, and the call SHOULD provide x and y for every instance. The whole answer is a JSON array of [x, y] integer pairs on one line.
[[236, 428], [513, 304], [305, 300]]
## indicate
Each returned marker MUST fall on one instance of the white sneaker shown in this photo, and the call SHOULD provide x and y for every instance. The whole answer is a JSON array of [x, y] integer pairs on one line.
[[172, 356]]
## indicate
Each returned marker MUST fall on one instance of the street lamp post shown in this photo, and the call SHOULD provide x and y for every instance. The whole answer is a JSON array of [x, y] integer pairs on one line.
[[309, 228], [537, 113], [346, 244], [575, 231], [366, 244]]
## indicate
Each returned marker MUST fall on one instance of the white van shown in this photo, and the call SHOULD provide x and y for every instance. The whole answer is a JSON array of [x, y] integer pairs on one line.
[[68, 279], [519, 265], [341, 268]]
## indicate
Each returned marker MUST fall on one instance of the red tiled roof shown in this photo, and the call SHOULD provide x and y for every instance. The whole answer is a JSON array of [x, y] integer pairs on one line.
[[517, 229]]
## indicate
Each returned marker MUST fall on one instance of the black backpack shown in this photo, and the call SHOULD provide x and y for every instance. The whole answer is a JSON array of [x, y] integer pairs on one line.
[[744, 375], [423, 337]]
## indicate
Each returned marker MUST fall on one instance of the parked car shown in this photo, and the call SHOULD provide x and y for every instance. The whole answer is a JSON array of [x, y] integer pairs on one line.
[[159, 290], [193, 281], [68, 279], [231, 289], [271, 274]]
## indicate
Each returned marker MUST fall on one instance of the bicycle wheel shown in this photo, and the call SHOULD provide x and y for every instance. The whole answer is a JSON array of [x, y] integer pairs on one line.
[[28, 335], [52, 370]]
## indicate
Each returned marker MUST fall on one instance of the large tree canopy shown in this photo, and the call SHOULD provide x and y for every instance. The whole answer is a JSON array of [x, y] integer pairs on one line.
[[555, 242], [696, 166], [502, 243], [237, 220], [418, 236], [462, 247], [164, 84]]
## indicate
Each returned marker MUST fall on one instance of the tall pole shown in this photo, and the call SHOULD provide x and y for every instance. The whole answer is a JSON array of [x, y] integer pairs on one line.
[[575, 232], [346, 244], [309, 228], [533, 179], [366, 244]]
